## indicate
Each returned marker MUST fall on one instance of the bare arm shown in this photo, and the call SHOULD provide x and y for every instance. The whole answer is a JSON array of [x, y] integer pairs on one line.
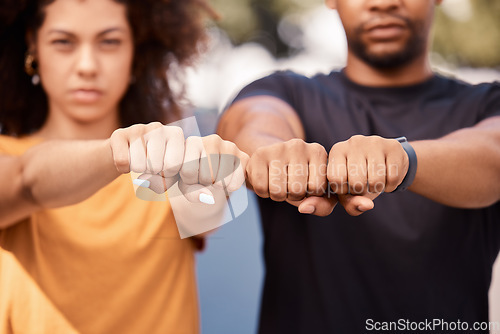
[[260, 121], [461, 169], [53, 174]]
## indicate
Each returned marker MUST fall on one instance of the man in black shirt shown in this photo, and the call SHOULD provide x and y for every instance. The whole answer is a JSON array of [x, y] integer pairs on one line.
[[395, 261]]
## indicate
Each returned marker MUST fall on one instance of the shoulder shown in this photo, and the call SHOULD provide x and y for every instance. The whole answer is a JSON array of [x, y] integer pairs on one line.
[[484, 97], [458, 86], [288, 84], [17, 145]]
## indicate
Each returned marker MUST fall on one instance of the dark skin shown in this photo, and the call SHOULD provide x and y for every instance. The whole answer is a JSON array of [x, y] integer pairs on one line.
[[360, 168]]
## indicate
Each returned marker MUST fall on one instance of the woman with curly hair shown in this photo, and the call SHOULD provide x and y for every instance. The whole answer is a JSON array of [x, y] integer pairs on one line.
[[84, 92]]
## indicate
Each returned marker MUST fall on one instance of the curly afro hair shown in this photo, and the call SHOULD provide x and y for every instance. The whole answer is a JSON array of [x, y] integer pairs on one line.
[[168, 34]]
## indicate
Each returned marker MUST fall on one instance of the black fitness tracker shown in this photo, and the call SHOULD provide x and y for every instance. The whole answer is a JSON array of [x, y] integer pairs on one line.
[[412, 164]]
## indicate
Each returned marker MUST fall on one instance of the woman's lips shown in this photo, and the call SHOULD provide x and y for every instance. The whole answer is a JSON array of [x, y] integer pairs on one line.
[[86, 95]]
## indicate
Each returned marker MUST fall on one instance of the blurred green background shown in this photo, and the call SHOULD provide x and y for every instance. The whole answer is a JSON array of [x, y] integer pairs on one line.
[[467, 32]]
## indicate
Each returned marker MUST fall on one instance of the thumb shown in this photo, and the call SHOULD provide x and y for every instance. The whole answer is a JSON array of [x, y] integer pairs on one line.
[[355, 205], [196, 193], [315, 205]]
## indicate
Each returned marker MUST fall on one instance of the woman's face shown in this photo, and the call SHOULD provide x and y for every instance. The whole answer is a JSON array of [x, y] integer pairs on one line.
[[84, 51]]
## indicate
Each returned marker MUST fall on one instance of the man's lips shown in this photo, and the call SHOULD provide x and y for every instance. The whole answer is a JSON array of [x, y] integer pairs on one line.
[[385, 29]]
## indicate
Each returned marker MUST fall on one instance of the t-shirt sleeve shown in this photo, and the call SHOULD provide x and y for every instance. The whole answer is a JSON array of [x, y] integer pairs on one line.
[[490, 105], [278, 84]]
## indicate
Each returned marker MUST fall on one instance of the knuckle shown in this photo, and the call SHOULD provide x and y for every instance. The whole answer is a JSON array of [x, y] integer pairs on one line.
[[186, 173], [174, 130], [117, 133], [394, 145], [137, 128], [392, 179], [154, 125], [356, 139], [194, 141], [318, 150], [230, 147], [376, 138], [295, 143], [212, 139], [339, 146]]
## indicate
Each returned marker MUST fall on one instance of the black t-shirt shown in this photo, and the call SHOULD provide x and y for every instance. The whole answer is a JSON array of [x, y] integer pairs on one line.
[[408, 259]]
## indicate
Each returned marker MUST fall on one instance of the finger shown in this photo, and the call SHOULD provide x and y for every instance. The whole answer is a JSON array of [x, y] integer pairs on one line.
[[138, 161], [376, 173], [226, 169], [209, 161], [278, 180], [197, 193], [120, 151], [357, 176], [396, 169], [174, 152], [155, 150], [316, 205], [238, 176], [355, 205], [317, 181], [298, 173], [228, 164], [258, 177], [189, 172], [337, 171]]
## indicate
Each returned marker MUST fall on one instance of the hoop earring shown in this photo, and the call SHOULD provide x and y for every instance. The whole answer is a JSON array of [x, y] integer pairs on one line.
[[30, 70], [28, 64]]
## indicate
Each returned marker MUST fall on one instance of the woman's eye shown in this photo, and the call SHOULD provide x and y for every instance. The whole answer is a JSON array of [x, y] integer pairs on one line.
[[111, 42], [63, 42]]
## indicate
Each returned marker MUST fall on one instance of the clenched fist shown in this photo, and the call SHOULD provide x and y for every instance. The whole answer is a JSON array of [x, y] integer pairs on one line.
[[364, 167], [163, 157], [292, 171]]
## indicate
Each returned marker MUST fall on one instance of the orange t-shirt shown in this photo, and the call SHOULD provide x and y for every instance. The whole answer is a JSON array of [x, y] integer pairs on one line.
[[110, 264]]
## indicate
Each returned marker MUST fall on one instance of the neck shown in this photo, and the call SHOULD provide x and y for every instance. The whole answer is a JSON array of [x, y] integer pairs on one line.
[[60, 126], [362, 73]]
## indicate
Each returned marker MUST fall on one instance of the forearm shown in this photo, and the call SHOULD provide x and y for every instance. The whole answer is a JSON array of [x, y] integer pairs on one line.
[[259, 121], [59, 173], [461, 169]]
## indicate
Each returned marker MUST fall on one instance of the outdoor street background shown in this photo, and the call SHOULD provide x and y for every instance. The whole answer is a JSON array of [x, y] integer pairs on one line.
[[254, 38]]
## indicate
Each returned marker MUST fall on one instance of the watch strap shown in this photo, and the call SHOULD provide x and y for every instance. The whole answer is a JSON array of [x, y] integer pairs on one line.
[[412, 164]]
